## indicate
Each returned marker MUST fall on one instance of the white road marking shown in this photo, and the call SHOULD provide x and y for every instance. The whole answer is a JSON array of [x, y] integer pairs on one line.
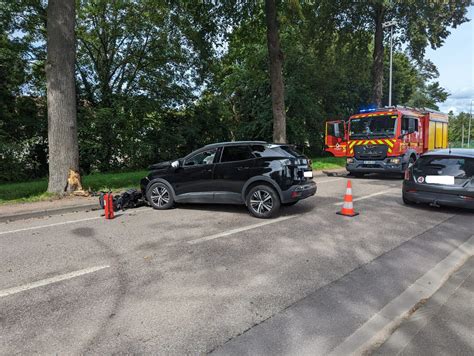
[[240, 229], [371, 195], [328, 180], [382, 324], [44, 282], [49, 225], [67, 222]]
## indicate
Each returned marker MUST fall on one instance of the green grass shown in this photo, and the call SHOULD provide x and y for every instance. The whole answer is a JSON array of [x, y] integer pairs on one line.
[[320, 163], [36, 190], [459, 145]]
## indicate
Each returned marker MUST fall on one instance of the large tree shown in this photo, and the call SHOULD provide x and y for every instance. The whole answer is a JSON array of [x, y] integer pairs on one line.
[[61, 93], [419, 24], [275, 56]]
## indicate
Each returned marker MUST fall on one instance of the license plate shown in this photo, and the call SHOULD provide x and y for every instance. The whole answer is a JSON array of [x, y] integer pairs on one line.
[[308, 174], [369, 162], [448, 180]]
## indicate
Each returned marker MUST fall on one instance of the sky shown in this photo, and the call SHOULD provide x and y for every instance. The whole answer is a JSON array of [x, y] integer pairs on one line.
[[455, 63]]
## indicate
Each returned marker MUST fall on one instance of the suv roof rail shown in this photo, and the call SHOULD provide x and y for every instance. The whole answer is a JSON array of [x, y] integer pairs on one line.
[[235, 143]]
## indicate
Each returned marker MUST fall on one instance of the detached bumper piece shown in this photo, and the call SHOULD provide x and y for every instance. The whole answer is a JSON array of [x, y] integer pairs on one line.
[[299, 192]]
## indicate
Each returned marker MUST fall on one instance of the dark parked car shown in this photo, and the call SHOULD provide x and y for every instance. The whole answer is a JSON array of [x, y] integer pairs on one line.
[[260, 175], [441, 177]]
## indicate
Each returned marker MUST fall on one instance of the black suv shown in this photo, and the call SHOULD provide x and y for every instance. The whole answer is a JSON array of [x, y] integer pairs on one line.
[[260, 175]]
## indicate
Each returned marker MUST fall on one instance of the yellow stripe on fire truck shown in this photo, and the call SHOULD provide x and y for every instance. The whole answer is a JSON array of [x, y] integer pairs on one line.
[[389, 142]]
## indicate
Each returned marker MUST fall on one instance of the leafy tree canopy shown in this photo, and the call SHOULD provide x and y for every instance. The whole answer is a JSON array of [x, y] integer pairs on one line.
[[156, 79]]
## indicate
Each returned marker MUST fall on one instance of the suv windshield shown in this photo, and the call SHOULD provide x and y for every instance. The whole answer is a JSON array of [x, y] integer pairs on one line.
[[371, 127], [458, 167]]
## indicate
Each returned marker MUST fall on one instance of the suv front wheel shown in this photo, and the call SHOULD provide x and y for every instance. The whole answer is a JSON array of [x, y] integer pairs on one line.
[[263, 201], [159, 196]]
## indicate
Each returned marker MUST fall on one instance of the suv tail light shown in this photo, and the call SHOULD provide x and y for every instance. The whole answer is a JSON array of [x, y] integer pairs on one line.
[[408, 174]]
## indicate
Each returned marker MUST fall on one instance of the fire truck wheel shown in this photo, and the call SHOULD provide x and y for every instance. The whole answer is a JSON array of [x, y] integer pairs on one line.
[[160, 196]]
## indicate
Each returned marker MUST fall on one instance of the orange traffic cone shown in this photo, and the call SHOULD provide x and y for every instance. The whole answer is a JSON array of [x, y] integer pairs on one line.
[[348, 207]]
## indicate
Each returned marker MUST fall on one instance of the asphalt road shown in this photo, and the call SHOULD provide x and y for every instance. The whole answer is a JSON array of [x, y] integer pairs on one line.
[[200, 279], [442, 326]]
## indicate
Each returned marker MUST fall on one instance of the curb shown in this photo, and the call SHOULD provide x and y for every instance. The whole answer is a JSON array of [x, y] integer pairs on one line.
[[49, 212], [95, 206], [371, 335], [408, 331], [327, 172]]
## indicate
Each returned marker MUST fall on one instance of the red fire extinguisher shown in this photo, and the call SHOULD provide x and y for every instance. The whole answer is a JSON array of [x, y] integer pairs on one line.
[[109, 205]]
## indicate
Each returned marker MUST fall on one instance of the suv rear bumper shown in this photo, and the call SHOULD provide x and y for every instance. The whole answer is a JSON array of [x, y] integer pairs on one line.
[[358, 166], [439, 199], [299, 192], [415, 193]]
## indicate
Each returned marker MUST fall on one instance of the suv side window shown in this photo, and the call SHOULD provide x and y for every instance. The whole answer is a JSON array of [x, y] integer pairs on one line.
[[204, 157], [274, 151], [236, 153], [260, 151]]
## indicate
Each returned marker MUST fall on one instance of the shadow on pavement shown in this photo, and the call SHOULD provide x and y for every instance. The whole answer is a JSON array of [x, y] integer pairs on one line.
[[299, 208]]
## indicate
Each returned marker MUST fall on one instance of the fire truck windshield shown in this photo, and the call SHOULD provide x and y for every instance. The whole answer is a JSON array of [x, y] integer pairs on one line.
[[372, 127]]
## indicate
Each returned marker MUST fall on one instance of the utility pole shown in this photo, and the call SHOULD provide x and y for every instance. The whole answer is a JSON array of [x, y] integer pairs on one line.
[[391, 25], [469, 129]]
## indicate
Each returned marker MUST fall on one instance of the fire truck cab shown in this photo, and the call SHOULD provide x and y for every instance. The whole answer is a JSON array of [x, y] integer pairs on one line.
[[386, 139]]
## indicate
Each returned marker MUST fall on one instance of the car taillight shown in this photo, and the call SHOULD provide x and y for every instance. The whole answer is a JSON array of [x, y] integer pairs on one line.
[[408, 174]]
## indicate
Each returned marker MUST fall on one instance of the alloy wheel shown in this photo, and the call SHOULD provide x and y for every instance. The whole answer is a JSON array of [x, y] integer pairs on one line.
[[160, 196], [261, 201]]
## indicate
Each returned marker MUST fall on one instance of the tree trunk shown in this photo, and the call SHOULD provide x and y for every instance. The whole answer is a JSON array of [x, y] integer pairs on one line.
[[377, 65], [276, 76], [61, 90]]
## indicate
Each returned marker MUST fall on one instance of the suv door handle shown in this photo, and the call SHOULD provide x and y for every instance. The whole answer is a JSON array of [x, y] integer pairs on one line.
[[242, 168]]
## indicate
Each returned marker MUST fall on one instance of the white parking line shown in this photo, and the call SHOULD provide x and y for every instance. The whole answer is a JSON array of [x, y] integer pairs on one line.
[[372, 195], [65, 222], [49, 225], [240, 229], [44, 282]]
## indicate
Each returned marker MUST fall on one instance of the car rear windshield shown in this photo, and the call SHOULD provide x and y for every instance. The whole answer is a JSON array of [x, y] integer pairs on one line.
[[274, 151], [458, 167]]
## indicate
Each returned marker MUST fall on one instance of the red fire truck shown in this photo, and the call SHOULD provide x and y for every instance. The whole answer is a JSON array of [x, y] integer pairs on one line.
[[386, 139]]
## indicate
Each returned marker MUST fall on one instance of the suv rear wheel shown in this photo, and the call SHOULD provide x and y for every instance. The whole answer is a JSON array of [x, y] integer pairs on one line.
[[263, 201], [159, 196]]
